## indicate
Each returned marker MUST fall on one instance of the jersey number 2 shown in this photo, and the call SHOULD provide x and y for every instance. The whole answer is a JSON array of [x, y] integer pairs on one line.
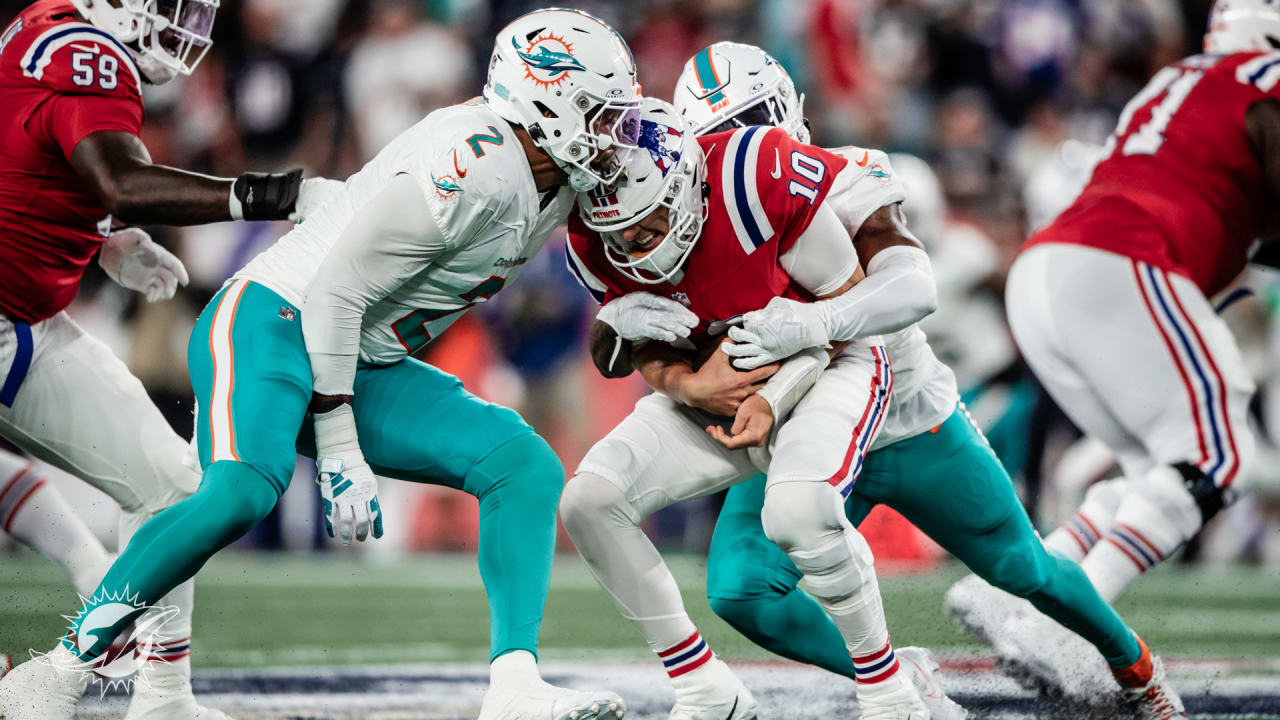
[[411, 329], [106, 75], [808, 168]]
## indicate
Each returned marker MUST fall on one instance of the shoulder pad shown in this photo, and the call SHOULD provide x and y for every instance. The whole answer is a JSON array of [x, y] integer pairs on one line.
[[80, 58]]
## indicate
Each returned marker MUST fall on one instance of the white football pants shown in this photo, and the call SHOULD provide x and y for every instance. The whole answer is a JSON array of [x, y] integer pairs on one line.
[[1138, 359]]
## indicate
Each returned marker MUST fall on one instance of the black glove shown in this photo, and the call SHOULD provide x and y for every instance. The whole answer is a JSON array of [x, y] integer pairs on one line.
[[268, 196]]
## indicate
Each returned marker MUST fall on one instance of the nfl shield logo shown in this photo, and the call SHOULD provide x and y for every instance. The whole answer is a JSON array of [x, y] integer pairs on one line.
[[680, 298]]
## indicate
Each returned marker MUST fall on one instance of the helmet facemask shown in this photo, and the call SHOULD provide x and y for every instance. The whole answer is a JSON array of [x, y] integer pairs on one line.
[[666, 174], [598, 151], [168, 37]]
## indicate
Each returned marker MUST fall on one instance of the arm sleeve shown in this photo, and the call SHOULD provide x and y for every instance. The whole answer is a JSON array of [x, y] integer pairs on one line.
[[897, 292], [390, 239], [823, 257]]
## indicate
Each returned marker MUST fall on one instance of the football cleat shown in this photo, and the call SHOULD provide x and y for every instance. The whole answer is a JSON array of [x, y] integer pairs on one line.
[[545, 701], [741, 706], [150, 704], [981, 608], [1051, 660], [906, 710], [43, 688], [921, 668], [1147, 690]]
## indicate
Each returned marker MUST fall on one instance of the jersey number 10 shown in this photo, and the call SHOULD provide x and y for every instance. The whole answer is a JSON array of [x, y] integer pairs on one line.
[[808, 168]]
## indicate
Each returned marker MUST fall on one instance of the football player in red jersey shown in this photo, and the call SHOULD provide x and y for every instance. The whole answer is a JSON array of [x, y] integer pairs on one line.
[[71, 165], [724, 235], [1110, 304]]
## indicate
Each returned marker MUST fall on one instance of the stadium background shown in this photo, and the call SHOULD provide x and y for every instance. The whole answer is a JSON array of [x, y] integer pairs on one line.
[[1000, 97]]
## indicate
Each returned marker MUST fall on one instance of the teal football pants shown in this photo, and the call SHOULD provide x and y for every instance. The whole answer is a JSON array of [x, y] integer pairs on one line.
[[252, 379], [949, 484]]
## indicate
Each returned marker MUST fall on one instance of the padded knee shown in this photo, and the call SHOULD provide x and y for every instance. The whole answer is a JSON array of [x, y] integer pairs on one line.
[[1022, 568], [524, 469], [590, 499], [807, 520], [234, 497]]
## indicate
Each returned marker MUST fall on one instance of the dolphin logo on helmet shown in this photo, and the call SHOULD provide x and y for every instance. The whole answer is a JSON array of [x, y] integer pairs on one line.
[[545, 58]]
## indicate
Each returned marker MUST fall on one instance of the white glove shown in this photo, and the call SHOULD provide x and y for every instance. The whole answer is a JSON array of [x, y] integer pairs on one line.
[[348, 489], [778, 331], [644, 316], [313, 194], [135, 261]]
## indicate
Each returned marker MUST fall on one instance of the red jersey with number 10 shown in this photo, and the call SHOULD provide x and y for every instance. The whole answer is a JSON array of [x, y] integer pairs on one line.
[[1179, 186], [60, 79], [765, 189]]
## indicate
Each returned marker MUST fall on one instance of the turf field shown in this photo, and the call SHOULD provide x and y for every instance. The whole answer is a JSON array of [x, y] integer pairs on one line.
[[409, 638]]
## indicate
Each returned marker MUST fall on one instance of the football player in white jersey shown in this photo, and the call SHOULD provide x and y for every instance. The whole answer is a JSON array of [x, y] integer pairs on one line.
[[929, 462], [313, 342]]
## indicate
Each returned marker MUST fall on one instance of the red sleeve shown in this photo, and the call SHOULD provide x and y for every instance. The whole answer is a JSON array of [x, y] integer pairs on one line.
[[794, 179], [69, 118], [586, 261], [96, 87]]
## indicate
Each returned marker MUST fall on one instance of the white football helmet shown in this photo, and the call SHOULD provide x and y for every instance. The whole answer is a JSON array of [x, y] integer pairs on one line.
[[1243, 26], [666, 172], [570, 80], [730, 85], [167, 37]]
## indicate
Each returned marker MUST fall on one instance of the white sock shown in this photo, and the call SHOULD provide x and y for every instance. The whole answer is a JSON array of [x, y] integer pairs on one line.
[[1156, 516], [698, 676], [605, 529], [1078, 535], [36, 514], [516, 668]]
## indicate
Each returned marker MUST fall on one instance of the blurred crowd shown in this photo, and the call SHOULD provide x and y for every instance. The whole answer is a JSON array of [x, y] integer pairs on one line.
[[993, 109]]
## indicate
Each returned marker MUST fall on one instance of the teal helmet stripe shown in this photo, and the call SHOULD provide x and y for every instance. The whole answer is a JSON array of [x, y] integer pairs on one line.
[[707, 76]]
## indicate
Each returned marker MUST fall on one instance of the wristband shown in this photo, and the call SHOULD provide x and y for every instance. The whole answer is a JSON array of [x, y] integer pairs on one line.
[[265, 196]]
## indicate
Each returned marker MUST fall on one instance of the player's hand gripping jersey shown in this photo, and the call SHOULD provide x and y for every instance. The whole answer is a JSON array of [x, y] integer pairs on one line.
[[1179, 187], [766, 189], [61, 79], [473, 173]]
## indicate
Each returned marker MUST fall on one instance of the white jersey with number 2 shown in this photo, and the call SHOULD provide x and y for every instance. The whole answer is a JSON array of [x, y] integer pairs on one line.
[[475, 176]]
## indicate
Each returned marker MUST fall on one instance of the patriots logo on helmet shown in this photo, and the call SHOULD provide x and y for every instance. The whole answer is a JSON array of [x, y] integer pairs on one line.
[[660, 141], [548, 59]]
